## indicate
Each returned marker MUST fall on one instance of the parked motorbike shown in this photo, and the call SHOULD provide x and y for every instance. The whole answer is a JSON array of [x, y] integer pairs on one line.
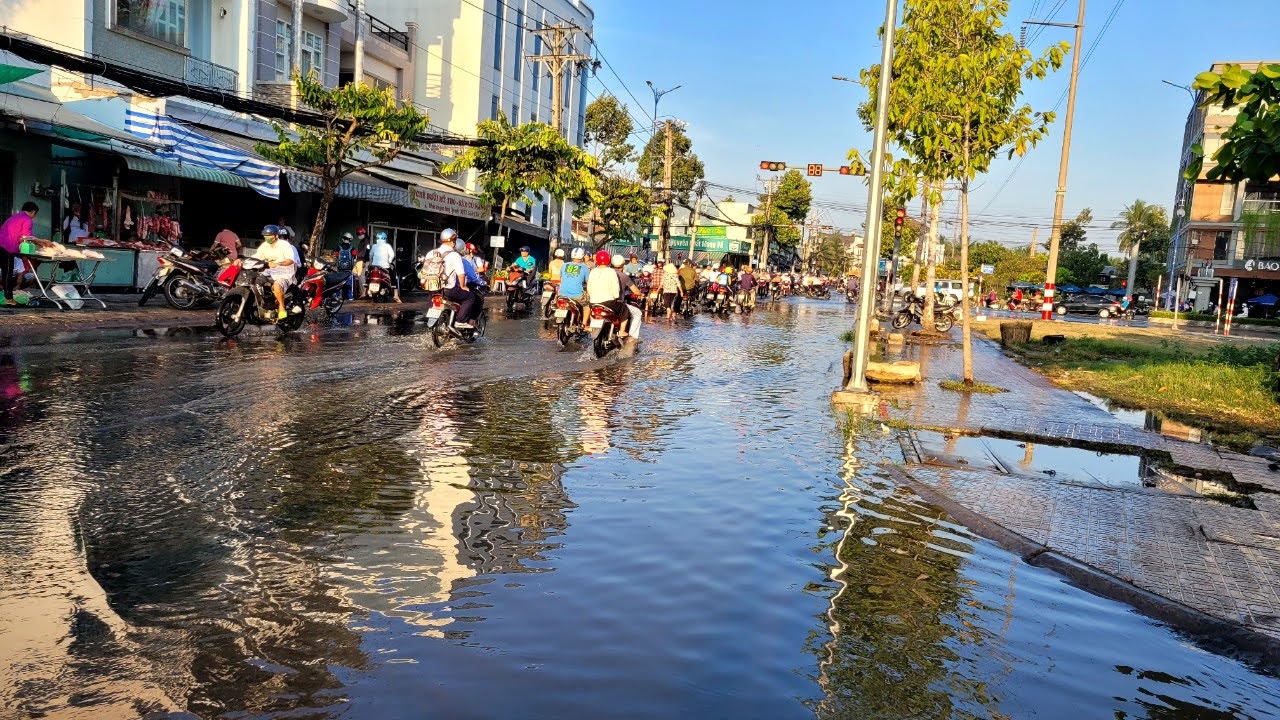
[[519, 291], [944, 316], [325, 287], [568, 317], [605, 328], [251, 301], [187, 278], [443, 312], [380, 286]]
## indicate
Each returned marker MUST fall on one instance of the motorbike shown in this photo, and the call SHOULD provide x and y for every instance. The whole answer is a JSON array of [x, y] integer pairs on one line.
[[443, 312], [605, 327], [741, 302], [187, 278], [251, 301], [1119, 311], [717, 298], [519, 291], [850, 296], [550, 294], [944, 316], [325, 287], [1025, 305], [568, 316], [380, 288]]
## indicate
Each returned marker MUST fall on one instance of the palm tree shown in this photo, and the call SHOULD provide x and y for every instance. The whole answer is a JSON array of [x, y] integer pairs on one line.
[[1139, 221]]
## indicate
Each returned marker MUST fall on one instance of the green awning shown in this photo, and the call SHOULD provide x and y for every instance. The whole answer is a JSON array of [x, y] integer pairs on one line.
[[13, 73], [160, 166]]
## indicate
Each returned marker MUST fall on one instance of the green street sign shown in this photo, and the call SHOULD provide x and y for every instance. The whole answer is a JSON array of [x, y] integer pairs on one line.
[[713, 231]]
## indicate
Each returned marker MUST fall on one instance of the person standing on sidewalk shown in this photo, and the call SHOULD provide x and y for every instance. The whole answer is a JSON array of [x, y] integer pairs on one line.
[[12, 232], [229, 240]]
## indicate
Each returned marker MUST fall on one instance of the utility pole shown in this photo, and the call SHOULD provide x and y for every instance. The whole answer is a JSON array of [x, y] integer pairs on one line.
[[558, 54], [1035, 233], [693, 220], [358, 72], [875, 210], [668, 175], [1051, 273], [768, 223]]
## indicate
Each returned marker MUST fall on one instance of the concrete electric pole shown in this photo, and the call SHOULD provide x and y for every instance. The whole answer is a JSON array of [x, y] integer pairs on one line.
[[558, 54], [668, 196]]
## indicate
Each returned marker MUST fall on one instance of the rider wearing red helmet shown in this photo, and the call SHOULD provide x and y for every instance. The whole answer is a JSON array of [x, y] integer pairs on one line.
[[602, 258], [606, 286]]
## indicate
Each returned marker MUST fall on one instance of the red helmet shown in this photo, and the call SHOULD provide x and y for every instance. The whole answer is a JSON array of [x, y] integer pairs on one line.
[[602, 257], [471, 248]]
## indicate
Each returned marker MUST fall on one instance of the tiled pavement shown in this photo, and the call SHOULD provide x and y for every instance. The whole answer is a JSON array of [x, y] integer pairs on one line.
[[1220, 560]]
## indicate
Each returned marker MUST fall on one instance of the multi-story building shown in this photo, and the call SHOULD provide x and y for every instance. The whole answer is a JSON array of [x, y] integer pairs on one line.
[[1223, 231], [473, 62]]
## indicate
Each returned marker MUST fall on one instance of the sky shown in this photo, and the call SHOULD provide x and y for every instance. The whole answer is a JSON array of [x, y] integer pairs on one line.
[[756, 85]]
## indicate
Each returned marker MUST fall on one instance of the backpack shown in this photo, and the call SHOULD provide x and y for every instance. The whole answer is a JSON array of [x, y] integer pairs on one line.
[[346, 258], [432, 272]]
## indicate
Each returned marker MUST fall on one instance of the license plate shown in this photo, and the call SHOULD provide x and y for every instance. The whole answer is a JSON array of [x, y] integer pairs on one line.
[[434, 313], [597, 323], [546, 294], [720, 296], [562, 314]]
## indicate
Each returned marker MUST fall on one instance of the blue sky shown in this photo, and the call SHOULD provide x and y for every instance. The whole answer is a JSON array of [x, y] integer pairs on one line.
[[756, 86]]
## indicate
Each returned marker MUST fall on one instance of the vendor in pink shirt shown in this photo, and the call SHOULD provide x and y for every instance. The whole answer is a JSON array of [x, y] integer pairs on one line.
[[11, 234]]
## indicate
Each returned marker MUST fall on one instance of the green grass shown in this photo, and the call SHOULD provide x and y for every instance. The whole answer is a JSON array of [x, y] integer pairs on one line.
[[976, 387], [846, 336], [1271, 322]]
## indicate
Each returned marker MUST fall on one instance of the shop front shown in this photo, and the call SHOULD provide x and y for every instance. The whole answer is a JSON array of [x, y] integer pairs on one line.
[[1257, 285]]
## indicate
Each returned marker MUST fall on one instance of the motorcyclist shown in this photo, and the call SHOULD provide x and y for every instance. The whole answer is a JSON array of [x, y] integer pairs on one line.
[[455, 278], [633, 267], [688, 282], [747, 284], [606, 286], [526, 261], [573, 281], [282, 260], [556, 267], [382, 255]]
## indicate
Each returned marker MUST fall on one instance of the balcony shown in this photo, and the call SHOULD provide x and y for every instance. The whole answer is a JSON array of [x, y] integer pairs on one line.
[[211, 75], [381, 30]]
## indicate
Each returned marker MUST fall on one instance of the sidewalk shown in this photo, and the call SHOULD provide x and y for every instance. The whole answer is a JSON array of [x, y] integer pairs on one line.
[[123, 313], [1203, 565]]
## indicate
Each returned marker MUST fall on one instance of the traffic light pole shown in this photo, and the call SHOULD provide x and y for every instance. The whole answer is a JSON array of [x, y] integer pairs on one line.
[[875, 211], [891, 277]]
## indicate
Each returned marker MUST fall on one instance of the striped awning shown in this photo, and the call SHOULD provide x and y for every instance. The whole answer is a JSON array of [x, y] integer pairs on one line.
[[158, 166], [356, 186], [182, 143]]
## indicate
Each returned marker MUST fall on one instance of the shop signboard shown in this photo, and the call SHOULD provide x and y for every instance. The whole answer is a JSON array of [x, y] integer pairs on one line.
[[1252, 265], [988, 269], [708, 244], [446, 203]]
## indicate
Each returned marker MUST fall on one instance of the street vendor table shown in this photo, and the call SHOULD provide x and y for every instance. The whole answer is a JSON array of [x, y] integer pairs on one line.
[[81, 282]]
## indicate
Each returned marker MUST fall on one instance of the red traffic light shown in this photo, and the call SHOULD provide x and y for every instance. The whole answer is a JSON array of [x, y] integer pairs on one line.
[[901, 217], [772, 166], [844, 170], [1124, 283]]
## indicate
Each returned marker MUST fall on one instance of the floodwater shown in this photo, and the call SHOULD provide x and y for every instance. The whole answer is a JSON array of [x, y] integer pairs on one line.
[[345, 523]]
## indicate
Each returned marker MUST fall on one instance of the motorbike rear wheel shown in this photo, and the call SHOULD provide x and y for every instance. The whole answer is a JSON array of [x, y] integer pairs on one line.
[[943, 323], [332, 304], [901, 320], [602, 344], [440, 331], [179, 296], [226, 321]]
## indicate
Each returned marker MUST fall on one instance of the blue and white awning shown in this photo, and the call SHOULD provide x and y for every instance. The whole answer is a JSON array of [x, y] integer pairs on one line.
[[184, 144]]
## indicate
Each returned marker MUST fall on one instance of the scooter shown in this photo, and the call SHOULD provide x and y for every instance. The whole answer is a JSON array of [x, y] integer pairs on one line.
[[550, 293], [568, 317], [519, 291], [443, 312], [187, 278], [325, 287], [717, 299], [943, 315], [606, 326], [380, 288], [252, 301]]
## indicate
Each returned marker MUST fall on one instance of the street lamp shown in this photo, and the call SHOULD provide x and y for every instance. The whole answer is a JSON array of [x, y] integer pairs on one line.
[[657, 95]]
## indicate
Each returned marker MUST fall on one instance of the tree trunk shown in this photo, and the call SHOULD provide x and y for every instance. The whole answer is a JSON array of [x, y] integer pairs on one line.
[[919, 258], [931, 268], [966, 339], [322, 217], [1133, 266]]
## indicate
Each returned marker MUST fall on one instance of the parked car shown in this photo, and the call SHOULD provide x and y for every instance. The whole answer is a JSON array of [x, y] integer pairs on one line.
[[1085, 303]]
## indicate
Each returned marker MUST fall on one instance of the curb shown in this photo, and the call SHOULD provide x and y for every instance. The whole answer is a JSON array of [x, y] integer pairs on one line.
[[1212, 633]]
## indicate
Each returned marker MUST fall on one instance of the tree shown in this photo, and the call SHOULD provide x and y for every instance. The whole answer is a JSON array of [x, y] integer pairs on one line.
[[963, 78], [686, 168], [778, 226], [606, 128], [1073, 232], [623, 210], [830, 256], [988, 252], [363, 128], [793, 196], [1137, 222], [1251, 146], [524, 159], [1084, 264]]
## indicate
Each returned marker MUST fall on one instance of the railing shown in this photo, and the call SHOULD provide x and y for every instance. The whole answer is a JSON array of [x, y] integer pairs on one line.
[[385, 32], [1261, 206], [210, 75]]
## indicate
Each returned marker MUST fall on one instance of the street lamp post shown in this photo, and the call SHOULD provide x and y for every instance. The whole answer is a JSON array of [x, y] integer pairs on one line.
[[657, 95]]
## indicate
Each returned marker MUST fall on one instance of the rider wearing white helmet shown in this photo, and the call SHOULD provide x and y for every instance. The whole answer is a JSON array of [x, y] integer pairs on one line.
[[556, 267]]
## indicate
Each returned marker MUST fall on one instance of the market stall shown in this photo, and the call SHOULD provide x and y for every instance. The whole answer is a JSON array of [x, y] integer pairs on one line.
[[63, 276], [130, 229]]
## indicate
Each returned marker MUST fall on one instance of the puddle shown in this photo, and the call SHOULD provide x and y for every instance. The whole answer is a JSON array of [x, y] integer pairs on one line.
[[1148, 420], [1012, 457]]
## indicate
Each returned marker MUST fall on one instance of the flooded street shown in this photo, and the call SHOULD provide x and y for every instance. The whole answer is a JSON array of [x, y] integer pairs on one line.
[[346, 523]]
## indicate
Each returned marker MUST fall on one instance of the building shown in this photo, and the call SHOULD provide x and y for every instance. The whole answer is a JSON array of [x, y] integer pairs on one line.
[[473, 62], [1224, 231]]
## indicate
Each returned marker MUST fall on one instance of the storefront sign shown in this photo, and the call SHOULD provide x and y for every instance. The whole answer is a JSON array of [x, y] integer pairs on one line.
[[1251, 265], [709, 244], [713, 231], [988, 269], [497, 241], [446, 203]]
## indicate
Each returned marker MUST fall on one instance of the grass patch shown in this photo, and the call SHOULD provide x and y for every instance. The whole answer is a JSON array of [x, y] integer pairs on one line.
[[976, 387], [846, 336], [1165, 314]]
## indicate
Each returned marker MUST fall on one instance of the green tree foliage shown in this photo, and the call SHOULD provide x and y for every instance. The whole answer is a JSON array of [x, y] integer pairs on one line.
[[1073, 232], [363, 128], [1084, 264], [1018, 267], [686, 168], [1139, 221], [793, 196], [829, 257], [778, 226], [1250, 147], [530, 158], [606, 129], [987, 252], [961, 79], [624, 209]]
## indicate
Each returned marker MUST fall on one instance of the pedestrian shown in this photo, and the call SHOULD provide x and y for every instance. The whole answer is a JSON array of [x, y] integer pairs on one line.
[[74, 226], [12, 233], [228, 240], [670, 288]]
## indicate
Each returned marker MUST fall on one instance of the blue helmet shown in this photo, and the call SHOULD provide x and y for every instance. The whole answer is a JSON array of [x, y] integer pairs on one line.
[[272, 230], [380, 236], [525, 249]]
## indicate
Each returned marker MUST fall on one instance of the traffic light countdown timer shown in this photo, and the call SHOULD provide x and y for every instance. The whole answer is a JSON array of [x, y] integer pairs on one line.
[[814, 169]]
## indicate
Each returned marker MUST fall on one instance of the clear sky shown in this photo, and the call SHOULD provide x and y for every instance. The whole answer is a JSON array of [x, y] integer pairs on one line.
[[757, 85]]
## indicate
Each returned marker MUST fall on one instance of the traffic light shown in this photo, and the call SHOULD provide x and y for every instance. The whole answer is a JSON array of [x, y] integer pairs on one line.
[[901, 218], [846, 170], [772, 166], [815, 169]]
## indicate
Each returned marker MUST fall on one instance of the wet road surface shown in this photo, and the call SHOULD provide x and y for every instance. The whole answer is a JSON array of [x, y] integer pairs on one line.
[[345, 523]]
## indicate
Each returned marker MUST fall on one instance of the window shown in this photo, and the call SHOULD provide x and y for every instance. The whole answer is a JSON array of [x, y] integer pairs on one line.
[[537, 50], [284, 49], [493, 109], [518, 65], [1228, 205], [312, 53], [515, 113], [499, 19], [1221, 241], [161, 19]]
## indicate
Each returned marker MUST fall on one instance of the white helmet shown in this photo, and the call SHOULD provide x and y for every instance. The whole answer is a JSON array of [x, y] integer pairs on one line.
[[577, 254], [448, 234], [559, 252], [617, 261]]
